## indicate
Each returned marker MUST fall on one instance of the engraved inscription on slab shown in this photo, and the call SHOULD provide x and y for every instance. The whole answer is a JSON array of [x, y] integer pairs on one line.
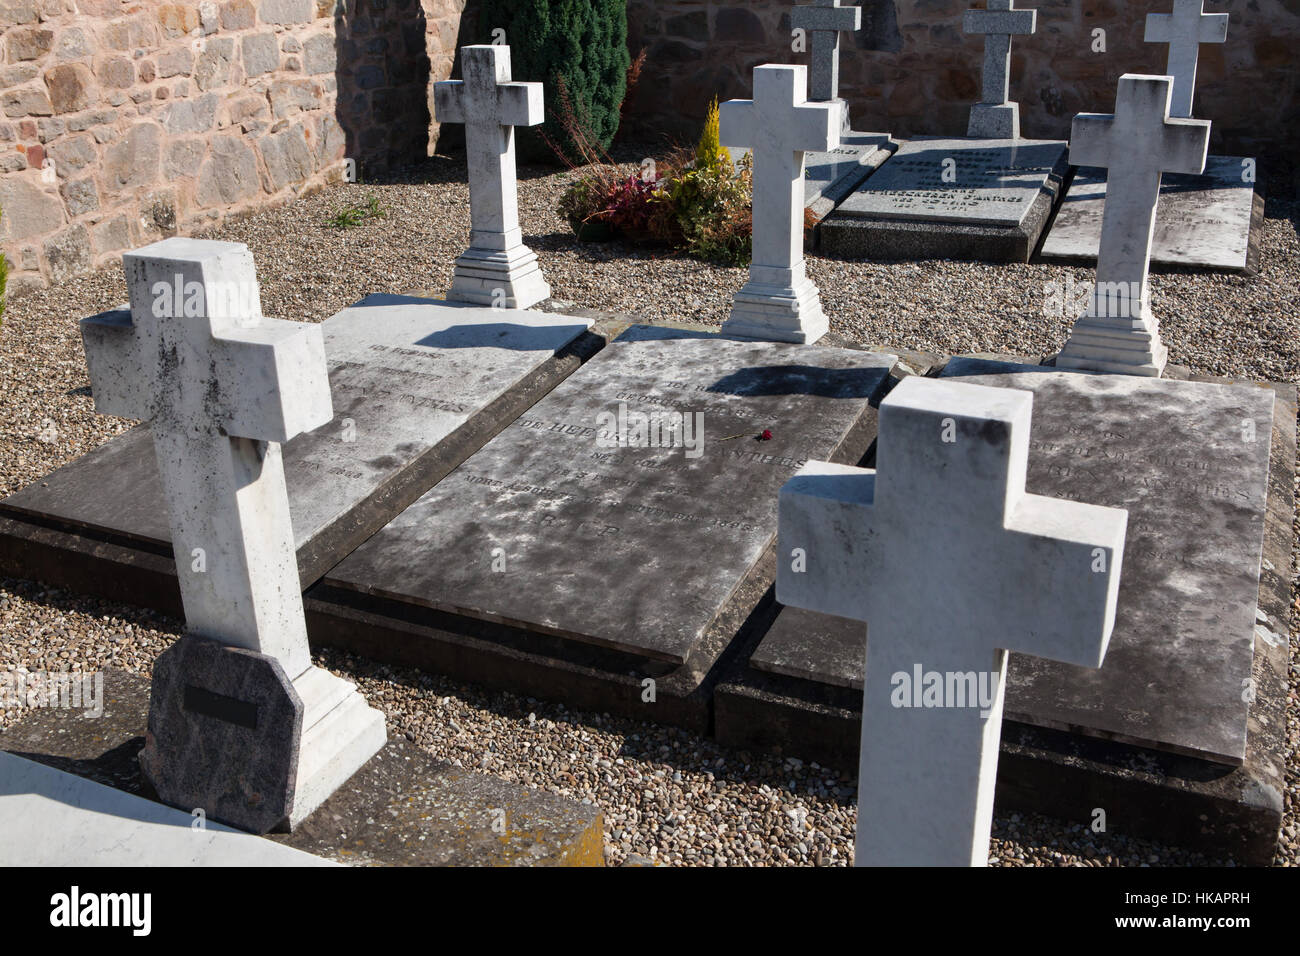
[[971, 181]]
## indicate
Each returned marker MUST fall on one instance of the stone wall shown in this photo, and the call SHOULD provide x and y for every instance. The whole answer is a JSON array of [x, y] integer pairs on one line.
[[125, 121], [911, 70]]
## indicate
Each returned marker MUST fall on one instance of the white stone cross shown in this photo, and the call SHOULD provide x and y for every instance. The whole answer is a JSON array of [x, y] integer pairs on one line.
[[779, 302], [952, 565], [1185, 29], [1136, 144], [497, 269], [221, 387], [824, 20], [995, 116]]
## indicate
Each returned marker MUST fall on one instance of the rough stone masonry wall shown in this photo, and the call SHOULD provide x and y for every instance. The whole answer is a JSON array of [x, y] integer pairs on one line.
[[911, 70], [126, 121]]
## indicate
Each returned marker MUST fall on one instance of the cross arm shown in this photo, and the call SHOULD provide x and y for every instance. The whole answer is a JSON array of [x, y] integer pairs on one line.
[[1090, 139], [1008, 22], [520, 104], [1184, 145], [113, 359], [280, 380], [1072, 552], [826, 18], [449, 101], [818, 126], [825, 512], [736, 124]]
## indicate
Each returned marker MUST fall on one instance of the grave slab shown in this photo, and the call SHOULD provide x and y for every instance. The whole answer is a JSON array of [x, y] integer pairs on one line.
[[831, 176], [417, 386], [1208, 222], [1192, 763], [954, 198], [404, 808], [49, 817], [554, 566]]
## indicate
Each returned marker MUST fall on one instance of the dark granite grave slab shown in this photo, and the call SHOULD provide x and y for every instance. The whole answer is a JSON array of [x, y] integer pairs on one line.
[[951, 198], [614, 565], [403, 808], [418, 385], [800, 692], [1208, 222]]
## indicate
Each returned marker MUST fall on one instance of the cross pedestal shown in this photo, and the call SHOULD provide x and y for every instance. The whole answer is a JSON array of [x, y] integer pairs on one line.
[[824, 21], [1185, 29], [952, 565], [1136, 144], [221, 387], [497, 269], [778, 125], [995, 116]]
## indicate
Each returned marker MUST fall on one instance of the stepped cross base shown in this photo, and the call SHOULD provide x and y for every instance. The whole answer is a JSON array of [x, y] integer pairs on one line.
[[507, 279], [778, 313], [1126, 346]]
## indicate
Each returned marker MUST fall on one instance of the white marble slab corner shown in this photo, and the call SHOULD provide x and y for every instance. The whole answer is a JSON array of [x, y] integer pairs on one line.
[[52, 818]]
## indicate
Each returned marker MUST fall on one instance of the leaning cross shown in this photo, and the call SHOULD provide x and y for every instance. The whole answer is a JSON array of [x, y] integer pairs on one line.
[[221, 387], [1185, 30], [498, 269], [952, 565], [779, 302], [995, 116], [240, 722], [1136, 143], [824, 20]]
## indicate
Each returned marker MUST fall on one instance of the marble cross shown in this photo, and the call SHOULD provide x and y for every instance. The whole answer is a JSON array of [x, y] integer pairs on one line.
[[778, 125], [1185, 29], [824, 20], [497, 269], [995, 116], [952, 565], [1136, 144], [221, 387]]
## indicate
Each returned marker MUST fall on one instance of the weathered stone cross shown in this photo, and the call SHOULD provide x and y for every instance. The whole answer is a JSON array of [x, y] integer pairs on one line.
[[952, 565], [1136, 144], [1185, 30], [497, 269], [221, 387], [824, 20], [779, 302], [995, 116]]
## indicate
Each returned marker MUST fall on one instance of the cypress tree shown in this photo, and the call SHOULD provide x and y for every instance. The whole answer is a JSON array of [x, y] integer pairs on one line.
[[582, 42]]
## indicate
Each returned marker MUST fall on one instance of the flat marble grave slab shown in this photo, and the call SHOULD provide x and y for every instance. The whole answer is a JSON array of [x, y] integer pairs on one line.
[[417, 385], [1174, 454], [1211, 221], [950, 197], [605, 563]]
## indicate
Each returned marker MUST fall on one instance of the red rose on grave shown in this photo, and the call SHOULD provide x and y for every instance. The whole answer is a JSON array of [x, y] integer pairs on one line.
[[766, 436]]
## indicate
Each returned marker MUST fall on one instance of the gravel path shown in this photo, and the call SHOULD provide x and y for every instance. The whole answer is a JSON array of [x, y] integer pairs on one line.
[[666, 794]]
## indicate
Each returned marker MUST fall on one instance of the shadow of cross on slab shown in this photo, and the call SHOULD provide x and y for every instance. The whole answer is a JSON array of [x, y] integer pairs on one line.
[[951, 564]]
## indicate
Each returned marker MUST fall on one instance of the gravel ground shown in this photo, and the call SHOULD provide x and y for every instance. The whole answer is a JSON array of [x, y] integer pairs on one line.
[[666, 795]]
